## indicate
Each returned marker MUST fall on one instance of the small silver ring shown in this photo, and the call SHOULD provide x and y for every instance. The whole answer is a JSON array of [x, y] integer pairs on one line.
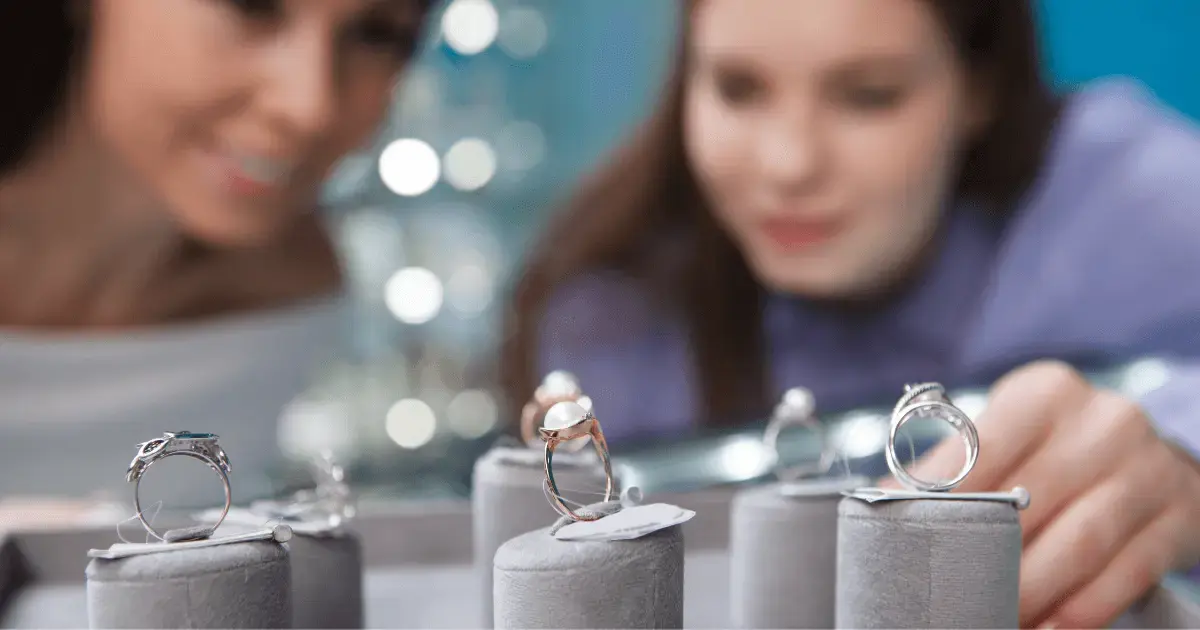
[[331, 500], [202, 446], [797, 408], [930, 397]]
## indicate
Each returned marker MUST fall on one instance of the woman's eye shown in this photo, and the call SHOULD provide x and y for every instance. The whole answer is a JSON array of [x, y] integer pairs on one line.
[[378, 33], [258, 8], [737, 88], [393, 39], [873, 98]]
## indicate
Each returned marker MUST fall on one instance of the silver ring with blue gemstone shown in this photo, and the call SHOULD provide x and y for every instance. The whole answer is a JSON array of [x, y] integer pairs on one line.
[[205, 447]]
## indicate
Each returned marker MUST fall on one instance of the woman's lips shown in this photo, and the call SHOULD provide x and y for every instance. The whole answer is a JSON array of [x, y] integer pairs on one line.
[[249, 175], [793, 234]]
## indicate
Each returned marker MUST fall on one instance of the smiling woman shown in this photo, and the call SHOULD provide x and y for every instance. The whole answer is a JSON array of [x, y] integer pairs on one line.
[[159, 251]]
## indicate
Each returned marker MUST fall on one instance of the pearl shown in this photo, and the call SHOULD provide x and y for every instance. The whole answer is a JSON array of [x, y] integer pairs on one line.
[[799, 401], [559, 384], [563, 415]]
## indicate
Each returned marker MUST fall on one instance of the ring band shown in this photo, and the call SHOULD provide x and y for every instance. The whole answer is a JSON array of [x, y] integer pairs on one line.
[[558, 386], [930, 400], [797, 408], [202, 446], [582, 424]]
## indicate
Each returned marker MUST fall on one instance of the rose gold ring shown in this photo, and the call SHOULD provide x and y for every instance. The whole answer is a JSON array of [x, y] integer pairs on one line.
[[556, 387], [581, 424]]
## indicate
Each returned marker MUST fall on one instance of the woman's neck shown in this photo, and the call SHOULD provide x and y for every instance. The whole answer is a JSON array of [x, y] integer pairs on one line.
[[80, 242]]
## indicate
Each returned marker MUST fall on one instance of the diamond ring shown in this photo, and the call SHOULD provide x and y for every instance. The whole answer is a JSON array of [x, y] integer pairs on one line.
[[929, 400]]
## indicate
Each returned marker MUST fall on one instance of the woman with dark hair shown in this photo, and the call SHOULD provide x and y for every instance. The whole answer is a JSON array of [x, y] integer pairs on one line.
[[161, 263], [855, 195]]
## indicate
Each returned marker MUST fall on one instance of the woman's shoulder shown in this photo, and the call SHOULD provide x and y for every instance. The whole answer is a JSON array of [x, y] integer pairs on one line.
[[1122, 169], [1110, 235], [611, 332], [1116, 142], [600, 306]]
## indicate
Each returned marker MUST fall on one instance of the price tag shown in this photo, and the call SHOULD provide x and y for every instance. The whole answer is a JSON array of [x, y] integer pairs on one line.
[[628, 524]]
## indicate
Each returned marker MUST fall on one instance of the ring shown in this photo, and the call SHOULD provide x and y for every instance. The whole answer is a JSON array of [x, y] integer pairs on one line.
[[331, 498], [797, 408], [201, 446], [929, 400], [558, 386], [567, 421]]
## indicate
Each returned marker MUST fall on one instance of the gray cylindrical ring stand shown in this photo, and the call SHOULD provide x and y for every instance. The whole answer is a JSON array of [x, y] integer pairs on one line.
[[508, 499], [783, 553], [238, 585], [543, 582], [928, 563], [327, 581]]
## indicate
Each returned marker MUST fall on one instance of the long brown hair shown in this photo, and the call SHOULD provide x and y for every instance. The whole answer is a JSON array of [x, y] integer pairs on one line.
[[646, 194]]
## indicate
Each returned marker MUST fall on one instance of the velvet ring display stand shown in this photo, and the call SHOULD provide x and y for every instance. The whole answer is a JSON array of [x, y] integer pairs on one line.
[[543, 582], [783, 553], [507, 500], [327, 580], [928, 563], [238, 585]]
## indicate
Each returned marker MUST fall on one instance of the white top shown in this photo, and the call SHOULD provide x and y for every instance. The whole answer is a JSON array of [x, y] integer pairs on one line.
[[74, 405]]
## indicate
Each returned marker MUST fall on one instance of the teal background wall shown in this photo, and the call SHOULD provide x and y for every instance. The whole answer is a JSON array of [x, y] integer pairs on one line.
[[1156, 41]]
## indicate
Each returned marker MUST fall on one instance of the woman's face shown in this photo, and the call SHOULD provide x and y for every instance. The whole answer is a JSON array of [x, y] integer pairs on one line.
[[233, 111], [825, 134]]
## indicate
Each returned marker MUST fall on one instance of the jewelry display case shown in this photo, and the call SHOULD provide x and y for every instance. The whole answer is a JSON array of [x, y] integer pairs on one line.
[[418, 567], [417, 554]]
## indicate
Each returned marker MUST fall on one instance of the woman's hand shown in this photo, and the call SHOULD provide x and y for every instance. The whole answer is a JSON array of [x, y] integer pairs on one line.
[[1114, 507]]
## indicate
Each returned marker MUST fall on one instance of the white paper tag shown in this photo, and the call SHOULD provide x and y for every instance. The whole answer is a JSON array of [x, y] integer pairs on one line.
[[627, 524], [278, 533], [1018, 496]]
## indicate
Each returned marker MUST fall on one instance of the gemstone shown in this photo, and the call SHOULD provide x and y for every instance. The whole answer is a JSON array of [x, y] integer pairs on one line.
[[564, 414], [188, 435], [151, 445], [799, 401]]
